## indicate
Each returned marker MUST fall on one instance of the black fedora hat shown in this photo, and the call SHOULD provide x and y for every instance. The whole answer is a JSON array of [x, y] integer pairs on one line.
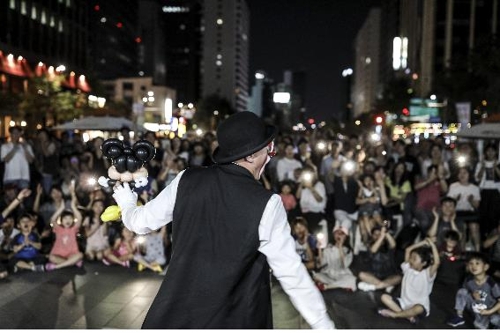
[[240, 135]]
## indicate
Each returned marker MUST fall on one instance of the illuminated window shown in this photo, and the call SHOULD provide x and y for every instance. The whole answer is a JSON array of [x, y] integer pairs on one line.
[[33, 12], [60, 27], [43, 19], [68, 3], [52, 21], [23, 8], [12, 4]]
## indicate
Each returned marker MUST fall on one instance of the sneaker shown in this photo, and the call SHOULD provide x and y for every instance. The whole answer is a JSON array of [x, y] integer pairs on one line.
[[105, 262], [50, 266], [366, 286], [38, 268], [389, 289], [140, 267], [456, 321]]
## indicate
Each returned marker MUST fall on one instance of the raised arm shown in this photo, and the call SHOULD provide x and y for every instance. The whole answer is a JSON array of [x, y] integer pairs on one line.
[[432, 233], [74, 207], [24, 193], [435, 254]]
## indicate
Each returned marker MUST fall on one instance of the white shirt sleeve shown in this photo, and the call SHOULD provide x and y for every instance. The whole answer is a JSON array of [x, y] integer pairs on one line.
[[155, 213], [277, 244]]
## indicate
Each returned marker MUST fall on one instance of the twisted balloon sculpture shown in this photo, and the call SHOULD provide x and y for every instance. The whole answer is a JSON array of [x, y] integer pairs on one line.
[[127, 163]]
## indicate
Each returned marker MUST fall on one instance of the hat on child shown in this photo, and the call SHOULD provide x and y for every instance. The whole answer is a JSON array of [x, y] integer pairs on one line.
[[341, 228]]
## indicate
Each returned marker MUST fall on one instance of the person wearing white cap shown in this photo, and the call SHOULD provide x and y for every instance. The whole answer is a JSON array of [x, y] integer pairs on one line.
[[335, 261]]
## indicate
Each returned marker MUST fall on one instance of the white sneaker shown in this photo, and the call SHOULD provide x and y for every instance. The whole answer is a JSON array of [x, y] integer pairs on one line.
[[366, 286], [389, 289]]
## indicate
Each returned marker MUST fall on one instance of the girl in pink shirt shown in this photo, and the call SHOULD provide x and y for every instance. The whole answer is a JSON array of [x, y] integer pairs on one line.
[[122, 251], [65, 225]]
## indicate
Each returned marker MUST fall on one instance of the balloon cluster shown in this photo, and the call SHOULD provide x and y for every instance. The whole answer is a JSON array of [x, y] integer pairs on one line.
[[127, 162]]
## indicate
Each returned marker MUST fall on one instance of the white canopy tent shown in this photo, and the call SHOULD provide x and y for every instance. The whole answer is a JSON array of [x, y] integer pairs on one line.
[[105, 123], [481, 131]]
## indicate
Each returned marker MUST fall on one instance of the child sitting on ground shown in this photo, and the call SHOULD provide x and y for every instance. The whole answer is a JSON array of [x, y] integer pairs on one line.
[[382, 272], [334, 262], [65, 225], [479, 293], [26, 246], [151, 253], [122, 251], [419, 272]]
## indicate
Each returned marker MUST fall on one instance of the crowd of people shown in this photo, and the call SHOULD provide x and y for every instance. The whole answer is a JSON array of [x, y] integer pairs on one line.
[[389, 215]]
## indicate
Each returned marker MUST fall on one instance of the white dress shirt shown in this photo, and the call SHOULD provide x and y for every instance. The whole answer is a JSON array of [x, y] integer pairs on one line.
[[276, 244]]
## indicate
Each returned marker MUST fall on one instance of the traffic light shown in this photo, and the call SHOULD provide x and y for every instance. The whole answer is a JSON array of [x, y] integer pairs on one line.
[[379, 120], [405, 112]]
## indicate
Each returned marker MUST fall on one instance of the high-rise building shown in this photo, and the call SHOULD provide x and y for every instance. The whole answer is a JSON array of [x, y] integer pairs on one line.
[[366, 65], [54, 32], [225, 37], [180, 23], [114, 38], [442, 33], [152, 51]]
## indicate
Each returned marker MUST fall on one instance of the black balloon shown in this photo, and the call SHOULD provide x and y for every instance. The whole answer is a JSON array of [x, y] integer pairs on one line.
[[121, 163], [131, 163], [142, 153], [114, 151]]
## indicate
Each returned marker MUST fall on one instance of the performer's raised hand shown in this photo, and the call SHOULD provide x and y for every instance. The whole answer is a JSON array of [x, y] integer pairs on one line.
[[124, 196]]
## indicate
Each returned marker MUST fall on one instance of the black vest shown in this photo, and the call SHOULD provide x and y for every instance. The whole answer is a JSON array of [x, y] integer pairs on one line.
[[216, 277]]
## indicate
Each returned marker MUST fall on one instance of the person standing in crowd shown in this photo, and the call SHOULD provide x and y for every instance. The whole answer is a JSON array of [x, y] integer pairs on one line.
[[218, 275], [17, 155], [287, 164], [487, 176], [47, 158], [468, 199], [312, 198], [329, 169]]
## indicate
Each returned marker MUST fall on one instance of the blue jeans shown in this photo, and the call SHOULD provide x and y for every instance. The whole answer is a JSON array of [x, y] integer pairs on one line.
[[20, 183]]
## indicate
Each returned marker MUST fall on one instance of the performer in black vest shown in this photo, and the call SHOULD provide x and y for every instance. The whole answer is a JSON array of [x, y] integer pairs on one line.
[[227, 230]]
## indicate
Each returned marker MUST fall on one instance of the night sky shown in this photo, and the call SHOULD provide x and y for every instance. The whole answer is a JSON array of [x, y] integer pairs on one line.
[[315, 36]]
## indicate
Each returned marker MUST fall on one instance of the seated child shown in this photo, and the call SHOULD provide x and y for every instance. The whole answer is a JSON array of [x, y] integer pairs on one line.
[[151, 252], [419, 272], [122, 251], [382, 272], [26, 246], [65, 225], [479, 294], [452, 266], [334, 263], [305, 243]]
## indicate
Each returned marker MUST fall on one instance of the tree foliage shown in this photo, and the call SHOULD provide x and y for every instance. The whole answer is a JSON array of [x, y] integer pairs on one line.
[[204, 116]]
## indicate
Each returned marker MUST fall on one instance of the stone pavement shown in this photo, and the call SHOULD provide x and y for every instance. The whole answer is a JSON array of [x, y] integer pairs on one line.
[[98, 296]]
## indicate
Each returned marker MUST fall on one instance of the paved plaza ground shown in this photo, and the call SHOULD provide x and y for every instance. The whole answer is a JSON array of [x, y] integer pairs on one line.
[[98, 296]]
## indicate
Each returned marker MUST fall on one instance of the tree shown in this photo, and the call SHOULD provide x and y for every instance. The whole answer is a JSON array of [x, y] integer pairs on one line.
[[211, 110], [46, 101]]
